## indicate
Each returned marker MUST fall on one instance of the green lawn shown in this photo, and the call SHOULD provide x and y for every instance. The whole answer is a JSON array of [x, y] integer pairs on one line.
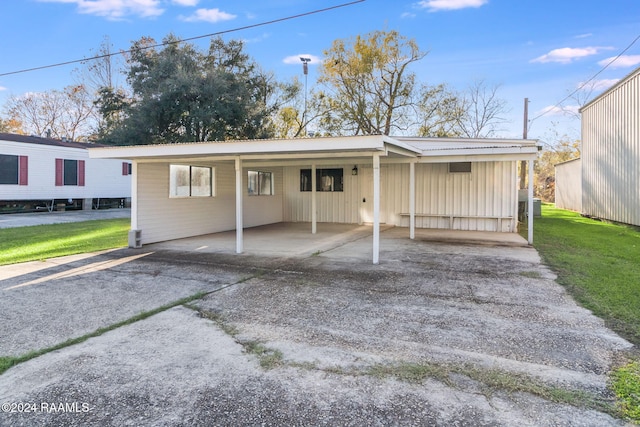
[[48, 241], [598, 262]]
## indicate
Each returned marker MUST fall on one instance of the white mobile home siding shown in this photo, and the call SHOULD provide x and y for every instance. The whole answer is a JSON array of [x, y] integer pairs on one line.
[[473, 199], [103, 177], [568, 190], [611, 153], [161, 218]]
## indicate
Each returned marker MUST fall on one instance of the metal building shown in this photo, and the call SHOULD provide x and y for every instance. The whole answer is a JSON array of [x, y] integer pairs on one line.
[[568, 194], [611, 153]]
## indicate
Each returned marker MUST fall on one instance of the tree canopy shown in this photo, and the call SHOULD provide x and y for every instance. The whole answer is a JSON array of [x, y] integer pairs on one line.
[[180, 94], [369, 84]]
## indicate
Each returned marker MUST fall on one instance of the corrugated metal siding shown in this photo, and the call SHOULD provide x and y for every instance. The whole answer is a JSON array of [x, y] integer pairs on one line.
[[103, 177], [568, 191], [489, 190], [338, 207], [611, 154], [162, 218]]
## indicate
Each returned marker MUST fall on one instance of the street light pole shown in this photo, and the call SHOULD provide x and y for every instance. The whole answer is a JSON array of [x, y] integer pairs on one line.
[[305, 70]]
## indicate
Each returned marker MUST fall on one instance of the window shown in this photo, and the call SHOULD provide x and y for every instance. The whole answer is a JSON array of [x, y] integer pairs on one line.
[[460, 167], [69, 172], [8, 169], [190, 181], [260, 183], [326, 179]]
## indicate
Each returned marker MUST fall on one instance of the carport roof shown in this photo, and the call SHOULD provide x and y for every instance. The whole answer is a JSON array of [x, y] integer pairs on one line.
[[352, 146]]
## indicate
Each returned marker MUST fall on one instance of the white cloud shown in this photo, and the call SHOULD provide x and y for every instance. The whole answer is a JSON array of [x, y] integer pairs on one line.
[[259, 39], [624, 61], [437, 5], [295, 59], [185, 2], [598, 85], [408, 15], [116, 9], [208, 15], [2, 88], [566, 55], [584, 36]]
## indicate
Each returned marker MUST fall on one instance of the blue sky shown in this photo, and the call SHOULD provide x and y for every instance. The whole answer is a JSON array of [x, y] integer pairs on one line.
[[541, 50]]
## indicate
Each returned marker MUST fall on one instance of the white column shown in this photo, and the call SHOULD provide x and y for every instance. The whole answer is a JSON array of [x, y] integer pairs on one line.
[[239, 225], [134, 195], [530, 204], [412, 200], [376, 208], [314, 207]]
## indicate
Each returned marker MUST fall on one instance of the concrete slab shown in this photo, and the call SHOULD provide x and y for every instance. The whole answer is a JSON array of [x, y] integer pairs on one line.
[[296, 240]]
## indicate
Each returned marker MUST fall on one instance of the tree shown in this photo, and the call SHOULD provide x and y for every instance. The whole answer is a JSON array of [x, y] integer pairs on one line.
[[182, 95], [438, 111], [370, 89], [101, 71], [11, 126], [557, 149], [481, 111], [60, 114]]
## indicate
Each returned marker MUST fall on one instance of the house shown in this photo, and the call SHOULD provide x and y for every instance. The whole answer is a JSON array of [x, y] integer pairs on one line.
[[190, 189], [610, 155], [45, 174]]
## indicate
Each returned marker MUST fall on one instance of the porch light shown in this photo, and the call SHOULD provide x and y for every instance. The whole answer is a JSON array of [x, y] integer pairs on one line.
[[354, 171]]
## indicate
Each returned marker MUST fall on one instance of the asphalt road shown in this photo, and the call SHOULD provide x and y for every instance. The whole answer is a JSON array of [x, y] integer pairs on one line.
[[324, 340], [42, 218]]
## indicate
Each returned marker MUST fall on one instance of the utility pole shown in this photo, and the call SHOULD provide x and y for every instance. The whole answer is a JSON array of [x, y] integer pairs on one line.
[[305, 70], [523, 164]]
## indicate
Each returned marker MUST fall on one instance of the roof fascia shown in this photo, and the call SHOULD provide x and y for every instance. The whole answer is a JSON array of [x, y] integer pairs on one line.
[[258, 148]]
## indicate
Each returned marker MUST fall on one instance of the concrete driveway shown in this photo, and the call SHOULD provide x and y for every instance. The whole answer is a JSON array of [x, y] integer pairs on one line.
[[437, 334]]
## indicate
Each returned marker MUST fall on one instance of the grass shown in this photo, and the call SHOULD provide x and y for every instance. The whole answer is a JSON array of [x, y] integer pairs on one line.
[[626, 385], [40, 242], [597, 262]]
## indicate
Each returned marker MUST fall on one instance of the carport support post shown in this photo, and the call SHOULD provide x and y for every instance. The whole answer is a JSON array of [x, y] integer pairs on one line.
[[314, 213], [376, 208], [530, 205], [412, 200], [239, 225]]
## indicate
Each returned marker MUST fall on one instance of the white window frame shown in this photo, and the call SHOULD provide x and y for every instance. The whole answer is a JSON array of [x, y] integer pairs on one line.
[[190, 187], [255, 183]]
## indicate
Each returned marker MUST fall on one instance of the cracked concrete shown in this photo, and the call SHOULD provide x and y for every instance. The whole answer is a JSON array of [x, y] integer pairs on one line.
[[332, 316]]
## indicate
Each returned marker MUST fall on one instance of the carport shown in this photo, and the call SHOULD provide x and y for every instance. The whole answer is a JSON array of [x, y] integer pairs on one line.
[[157, 216]]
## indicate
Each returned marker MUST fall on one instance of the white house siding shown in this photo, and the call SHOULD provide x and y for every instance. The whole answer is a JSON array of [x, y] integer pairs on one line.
[[163, 218], [103, 177], [488, 191], [611, 153], [568, 191]]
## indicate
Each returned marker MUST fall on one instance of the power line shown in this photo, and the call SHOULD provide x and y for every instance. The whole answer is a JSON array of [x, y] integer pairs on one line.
[[580, 87], [246, 27]]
